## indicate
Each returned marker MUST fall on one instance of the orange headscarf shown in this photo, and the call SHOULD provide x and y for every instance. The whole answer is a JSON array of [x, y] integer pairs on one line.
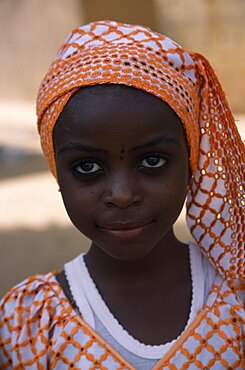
[[111, 52]]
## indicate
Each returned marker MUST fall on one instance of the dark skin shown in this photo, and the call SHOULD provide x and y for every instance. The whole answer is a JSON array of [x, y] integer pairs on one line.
[[123, 171]]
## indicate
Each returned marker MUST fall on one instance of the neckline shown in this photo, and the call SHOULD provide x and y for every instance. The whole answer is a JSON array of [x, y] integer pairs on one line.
[[90, 302]]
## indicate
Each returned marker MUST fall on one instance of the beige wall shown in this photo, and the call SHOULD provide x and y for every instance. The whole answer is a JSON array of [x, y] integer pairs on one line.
[[31, 31], [130, 11], [214, 28]]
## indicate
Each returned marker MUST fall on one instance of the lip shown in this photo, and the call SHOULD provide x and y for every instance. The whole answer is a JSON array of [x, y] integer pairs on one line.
[[126, 230]]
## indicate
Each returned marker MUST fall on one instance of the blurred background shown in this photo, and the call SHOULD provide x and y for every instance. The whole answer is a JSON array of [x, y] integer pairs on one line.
[[36, 235]]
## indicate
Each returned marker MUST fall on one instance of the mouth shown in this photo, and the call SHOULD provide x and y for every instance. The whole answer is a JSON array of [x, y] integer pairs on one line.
[[126, 230]]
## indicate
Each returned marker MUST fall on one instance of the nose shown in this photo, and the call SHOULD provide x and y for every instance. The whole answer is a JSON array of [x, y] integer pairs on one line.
[[123, 191]]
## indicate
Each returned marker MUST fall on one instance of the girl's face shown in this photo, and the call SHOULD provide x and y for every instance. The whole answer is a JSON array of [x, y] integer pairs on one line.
[[122, 165]]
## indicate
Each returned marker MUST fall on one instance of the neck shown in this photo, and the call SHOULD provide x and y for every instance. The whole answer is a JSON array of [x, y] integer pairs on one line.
[[165, 260]]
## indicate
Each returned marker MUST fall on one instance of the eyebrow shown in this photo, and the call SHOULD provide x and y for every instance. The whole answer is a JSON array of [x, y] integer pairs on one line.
[[159, 140], [81, 148], [84, 148]]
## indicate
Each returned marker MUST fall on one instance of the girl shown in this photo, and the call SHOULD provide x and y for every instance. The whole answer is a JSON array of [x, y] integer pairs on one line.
[[131, 124]]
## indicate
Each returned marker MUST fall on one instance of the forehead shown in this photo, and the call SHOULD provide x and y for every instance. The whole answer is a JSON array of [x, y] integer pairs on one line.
[[116, 112]]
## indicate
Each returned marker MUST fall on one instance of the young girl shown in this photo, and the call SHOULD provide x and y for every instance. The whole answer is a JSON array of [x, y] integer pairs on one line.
[[131, 124]]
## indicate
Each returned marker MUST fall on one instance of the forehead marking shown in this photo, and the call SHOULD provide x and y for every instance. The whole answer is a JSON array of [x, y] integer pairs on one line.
[[121, 156]]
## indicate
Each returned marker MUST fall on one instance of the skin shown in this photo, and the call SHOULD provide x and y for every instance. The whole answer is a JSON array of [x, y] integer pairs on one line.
[[123, 171]]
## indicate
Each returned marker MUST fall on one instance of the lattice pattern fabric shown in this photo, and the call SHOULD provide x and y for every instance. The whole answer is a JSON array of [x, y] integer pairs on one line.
[[45, 332]]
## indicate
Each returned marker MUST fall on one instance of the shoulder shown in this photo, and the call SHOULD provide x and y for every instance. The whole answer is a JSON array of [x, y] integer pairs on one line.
[[230, 292], [33, 290], [29, 310], [225, 309], [223, 299]]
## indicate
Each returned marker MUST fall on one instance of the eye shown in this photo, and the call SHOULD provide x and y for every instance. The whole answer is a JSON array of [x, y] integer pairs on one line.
[[86, 167], [153, 161]]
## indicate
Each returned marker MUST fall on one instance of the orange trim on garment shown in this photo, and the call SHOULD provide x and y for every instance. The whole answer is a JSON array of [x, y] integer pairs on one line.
[[165, 360], [111, 350]]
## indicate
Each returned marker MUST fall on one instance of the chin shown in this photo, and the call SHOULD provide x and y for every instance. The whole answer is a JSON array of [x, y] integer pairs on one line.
[[125, 254]]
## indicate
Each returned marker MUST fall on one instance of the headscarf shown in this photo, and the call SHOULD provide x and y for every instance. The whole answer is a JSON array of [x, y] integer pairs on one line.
[[108, 52]]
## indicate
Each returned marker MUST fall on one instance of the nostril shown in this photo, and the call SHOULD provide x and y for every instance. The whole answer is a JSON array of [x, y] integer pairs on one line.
[[122, 199], [122, 206], [122, 189], [121, 203]]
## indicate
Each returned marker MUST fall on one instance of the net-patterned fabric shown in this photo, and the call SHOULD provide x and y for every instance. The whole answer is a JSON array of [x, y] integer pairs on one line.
[[39, 329], [110, 52]]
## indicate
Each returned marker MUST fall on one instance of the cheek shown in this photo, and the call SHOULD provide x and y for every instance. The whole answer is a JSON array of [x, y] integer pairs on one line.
[[170, 201], [169, 194], [79, 205]]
